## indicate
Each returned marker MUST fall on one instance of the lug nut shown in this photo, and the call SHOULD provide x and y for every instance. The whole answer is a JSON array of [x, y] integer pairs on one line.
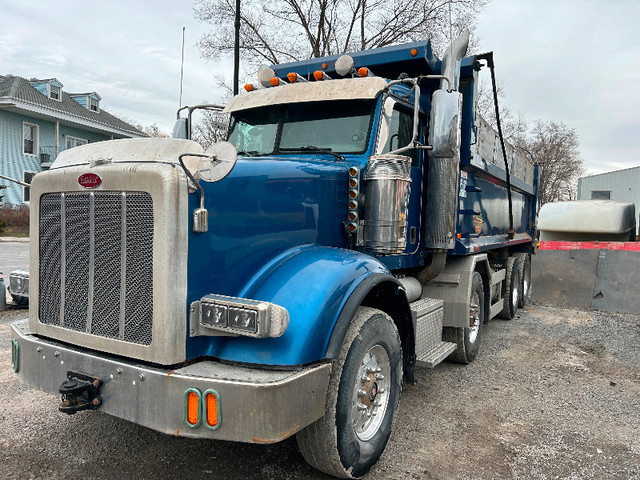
[[362, 393], [379, 376], [361, 407]]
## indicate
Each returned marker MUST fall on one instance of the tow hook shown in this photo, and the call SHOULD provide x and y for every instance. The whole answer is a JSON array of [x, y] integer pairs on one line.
[[80, 392]]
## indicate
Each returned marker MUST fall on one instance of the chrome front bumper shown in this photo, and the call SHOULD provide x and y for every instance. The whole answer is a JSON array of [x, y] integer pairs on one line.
[[256, 406]]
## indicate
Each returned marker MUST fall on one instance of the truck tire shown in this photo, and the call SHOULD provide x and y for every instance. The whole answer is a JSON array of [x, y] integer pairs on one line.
[[511, 297], [525, 279], [364, 391], [468, 338]]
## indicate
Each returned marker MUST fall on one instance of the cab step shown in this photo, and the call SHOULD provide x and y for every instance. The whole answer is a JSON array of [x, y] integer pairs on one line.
[[436, 355]]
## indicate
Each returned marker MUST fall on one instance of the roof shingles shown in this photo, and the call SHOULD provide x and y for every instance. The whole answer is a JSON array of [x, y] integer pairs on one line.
[[19, 88]]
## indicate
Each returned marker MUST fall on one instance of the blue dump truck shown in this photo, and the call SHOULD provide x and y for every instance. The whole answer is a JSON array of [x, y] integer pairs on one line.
[[361, 221]]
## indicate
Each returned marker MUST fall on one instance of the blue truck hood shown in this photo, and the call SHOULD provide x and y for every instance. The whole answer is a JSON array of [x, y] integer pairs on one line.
[[263, 208]]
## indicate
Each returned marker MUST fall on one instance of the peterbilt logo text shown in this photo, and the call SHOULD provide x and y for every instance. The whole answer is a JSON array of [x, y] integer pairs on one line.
[[89, 180]]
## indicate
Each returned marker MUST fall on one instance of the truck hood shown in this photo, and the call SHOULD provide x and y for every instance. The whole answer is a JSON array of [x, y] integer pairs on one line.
[[264, 207]]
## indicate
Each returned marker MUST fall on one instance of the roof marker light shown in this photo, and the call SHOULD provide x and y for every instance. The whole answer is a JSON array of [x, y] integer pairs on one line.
[[324, 66], [274, 81], [293, 77], [320, 75], [363, 72], [414, 52], [249, 88]]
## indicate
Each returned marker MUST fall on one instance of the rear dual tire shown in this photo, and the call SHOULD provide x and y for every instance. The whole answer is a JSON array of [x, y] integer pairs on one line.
[[467, 339], [511, 298]]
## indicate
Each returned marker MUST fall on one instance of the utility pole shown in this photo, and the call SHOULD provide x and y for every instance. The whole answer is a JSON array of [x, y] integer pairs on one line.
[[236, 50]]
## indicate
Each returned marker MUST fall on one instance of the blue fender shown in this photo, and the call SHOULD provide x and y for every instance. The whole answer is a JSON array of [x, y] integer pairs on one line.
[[313, 283]]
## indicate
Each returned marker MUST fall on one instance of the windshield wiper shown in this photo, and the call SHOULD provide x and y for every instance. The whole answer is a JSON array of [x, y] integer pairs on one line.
[[312, 148], [249, 153]]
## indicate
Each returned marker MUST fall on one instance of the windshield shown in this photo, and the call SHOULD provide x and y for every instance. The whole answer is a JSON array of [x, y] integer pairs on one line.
[[337, 127]]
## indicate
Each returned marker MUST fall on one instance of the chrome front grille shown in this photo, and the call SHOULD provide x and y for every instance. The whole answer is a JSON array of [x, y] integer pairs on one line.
[[96, 263]]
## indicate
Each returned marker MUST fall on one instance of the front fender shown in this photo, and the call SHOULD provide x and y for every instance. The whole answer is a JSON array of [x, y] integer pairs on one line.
[[313, 283]]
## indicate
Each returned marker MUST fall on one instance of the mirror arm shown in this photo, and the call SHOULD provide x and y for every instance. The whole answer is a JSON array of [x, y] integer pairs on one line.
[[200, 215]]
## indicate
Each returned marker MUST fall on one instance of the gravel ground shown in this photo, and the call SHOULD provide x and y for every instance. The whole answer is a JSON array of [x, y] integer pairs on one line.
[[555, 393]]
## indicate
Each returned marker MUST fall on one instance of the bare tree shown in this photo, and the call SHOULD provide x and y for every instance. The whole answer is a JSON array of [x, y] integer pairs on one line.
[[292, 30], [153, 131], [514, 126], [210, 128], [556, 148]]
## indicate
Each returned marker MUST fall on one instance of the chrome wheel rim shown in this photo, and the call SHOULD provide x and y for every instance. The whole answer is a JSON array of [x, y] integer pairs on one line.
[[474, 317], [371, 393], [514, 295]]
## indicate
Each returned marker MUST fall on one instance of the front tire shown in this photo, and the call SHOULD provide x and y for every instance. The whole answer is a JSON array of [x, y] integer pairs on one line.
[[364, 392], [467, 339]]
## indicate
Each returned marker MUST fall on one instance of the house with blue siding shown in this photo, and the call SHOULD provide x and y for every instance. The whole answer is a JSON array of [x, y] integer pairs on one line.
[[38, 120]]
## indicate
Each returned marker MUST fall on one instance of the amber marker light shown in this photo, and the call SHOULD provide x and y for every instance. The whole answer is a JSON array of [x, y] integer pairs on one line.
[[353, 183], [275, 81], [352, 227], [459, 235], [192, 407], [324, 66], [353, 205], [212, 409], [292, 77], [363, 71], [352, 194], [353, 172], [414, 52], [318, 75], [248, 87]]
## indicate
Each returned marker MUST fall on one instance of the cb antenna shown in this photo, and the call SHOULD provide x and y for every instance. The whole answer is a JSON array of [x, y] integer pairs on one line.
[[182, 66]]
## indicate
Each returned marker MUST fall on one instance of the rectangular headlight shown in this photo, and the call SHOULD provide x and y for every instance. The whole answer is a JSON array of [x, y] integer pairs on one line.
[[221, 315]]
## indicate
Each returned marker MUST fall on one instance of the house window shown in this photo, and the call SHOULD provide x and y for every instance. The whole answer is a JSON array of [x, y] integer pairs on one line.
[[93, 104], [600, 194], [29, 139], [75, 142], [26, 191], [54, 92]]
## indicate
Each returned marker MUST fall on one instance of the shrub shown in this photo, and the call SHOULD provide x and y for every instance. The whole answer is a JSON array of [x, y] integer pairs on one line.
[[15, 218]]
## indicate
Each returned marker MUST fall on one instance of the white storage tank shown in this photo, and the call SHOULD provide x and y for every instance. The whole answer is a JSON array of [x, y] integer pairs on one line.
[[587, 220]]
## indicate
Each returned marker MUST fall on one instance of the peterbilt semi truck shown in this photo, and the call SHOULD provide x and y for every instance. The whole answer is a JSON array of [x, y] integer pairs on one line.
[[360, 222]]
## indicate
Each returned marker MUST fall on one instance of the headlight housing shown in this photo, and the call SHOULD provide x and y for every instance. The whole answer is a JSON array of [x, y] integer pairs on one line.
[[215, 315]]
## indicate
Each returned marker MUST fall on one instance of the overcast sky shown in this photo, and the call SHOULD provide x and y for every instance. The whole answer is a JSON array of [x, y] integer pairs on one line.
[[576, 62]]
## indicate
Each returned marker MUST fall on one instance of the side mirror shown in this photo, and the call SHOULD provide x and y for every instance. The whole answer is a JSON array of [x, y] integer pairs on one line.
[[220, 160], [446, 113], [181, 129]]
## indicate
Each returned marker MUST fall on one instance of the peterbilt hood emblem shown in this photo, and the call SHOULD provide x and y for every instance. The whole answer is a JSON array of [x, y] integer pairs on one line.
[[89, 180]]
